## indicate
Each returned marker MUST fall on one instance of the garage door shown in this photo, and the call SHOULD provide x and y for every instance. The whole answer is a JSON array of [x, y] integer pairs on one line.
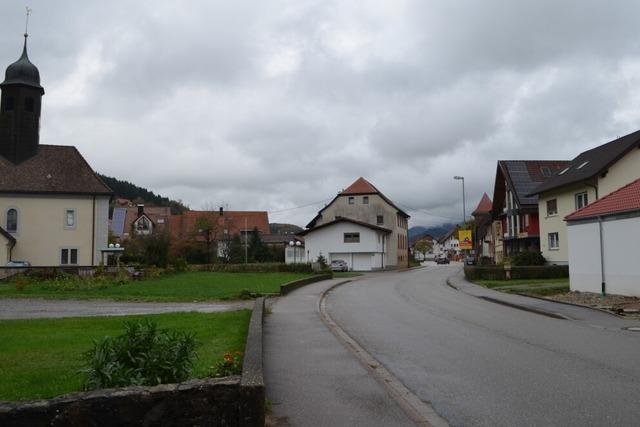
[[362, 262], [346, 257]]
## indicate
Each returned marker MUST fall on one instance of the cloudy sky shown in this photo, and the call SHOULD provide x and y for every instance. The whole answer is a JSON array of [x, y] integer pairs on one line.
[[272, 105]]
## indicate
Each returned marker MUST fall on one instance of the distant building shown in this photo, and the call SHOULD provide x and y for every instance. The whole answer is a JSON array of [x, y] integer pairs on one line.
[[483, 244], [54, 209], [362, 227]]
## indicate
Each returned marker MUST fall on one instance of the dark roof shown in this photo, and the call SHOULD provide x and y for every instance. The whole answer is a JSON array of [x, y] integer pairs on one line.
[[591, 163], [451, 232], [359, 187], [8, 236], [623, 200], [523, 177], [22, 71], [54, 169], [337, 220]]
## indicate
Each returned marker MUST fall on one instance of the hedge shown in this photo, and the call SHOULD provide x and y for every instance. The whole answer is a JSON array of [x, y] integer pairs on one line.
[[266, 267], [517, 272]]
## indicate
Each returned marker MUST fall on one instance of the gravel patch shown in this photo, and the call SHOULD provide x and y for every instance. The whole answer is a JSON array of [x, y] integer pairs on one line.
[[618, 304]]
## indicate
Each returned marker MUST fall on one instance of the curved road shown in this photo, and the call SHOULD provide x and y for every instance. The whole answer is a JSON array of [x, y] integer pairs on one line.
[[484, 364]]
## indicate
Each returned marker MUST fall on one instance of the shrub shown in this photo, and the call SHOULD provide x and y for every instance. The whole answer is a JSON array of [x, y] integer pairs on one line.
[[231, 364], [528, 258], [143, 355], [273, 267]]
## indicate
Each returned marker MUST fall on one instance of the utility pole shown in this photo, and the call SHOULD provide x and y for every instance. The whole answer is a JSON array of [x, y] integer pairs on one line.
[[464, 210], [246, 246]]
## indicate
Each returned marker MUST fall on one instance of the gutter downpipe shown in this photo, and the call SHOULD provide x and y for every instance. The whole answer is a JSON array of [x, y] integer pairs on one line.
[[603, 283], [595, 187]]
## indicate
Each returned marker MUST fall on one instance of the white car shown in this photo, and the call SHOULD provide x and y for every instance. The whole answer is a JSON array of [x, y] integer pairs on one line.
[[18, 264], [339, 265]]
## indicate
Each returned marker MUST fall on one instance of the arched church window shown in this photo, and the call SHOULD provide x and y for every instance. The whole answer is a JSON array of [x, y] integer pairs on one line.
[[12, 220], [29, 105]]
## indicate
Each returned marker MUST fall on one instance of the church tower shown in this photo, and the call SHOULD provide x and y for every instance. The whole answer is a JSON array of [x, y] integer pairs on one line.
[[20, 109]]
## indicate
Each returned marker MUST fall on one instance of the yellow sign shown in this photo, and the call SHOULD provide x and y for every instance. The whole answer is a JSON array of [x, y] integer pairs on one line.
[[464, 239]]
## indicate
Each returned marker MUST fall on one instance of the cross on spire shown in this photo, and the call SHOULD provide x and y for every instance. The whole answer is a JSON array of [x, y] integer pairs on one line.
[[26, 23]]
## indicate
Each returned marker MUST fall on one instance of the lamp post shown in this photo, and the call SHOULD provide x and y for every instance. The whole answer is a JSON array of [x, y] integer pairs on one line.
[[464, 210], [294, 246]]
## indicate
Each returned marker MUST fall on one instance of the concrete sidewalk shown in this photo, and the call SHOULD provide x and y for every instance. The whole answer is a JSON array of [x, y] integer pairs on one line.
[[571, 312], [311, 379]]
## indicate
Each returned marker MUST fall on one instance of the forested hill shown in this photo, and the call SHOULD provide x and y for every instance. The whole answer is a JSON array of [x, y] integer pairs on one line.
[[127, 190]]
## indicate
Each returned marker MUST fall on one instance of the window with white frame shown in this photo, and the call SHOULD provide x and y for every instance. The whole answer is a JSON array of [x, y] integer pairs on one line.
[[69, 256], [69, 218], [582, 200], [554, 242], [12, 220], [552, 207]]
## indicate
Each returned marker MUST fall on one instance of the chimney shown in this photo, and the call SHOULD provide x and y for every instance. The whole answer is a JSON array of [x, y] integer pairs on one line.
[[140, 209], [221, 210]]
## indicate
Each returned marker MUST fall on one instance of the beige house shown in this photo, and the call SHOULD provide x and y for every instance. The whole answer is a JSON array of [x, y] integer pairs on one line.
[[53, 207], [369, 211], [589, 177]]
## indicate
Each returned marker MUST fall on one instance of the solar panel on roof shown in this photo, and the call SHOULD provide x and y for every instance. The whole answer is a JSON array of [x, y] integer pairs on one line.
[[117, 221]]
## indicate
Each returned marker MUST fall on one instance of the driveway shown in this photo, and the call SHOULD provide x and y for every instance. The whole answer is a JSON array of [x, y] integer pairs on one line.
[[14, 308], [485, 364]]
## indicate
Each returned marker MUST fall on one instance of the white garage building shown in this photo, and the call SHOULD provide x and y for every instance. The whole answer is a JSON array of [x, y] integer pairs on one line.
[[603, 242], [363, 246]]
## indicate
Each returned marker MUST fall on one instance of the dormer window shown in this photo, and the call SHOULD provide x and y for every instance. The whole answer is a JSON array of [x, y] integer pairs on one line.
[[563, 171], [29, 105], [583, 164]]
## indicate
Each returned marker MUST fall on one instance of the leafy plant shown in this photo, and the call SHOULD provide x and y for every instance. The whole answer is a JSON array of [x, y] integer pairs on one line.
[[143, 355], [231, 364], [528, 258]]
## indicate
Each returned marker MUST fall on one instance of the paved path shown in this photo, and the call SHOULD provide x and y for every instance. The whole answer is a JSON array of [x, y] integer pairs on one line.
[[312, 380], [485, 364], [14, 308]]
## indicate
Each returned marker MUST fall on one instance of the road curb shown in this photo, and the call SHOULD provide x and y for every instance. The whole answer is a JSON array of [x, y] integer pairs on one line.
[[601, 310], [420, 412]]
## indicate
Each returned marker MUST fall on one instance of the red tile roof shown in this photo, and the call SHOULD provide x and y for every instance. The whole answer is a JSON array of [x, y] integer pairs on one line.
[[183, 226], [361, 186], [484, 206], [158, 214], [625, 199]]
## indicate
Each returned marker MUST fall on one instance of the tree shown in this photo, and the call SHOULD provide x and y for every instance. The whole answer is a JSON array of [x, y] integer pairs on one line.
[[206, 227], [257, 250], [235, 250], [423, 246]]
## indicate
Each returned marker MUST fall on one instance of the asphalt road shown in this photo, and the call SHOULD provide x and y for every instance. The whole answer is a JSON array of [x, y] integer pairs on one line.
[[484, 364]]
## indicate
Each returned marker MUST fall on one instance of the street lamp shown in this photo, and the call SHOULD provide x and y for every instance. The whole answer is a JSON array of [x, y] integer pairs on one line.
[[294, 246], [464, 210]]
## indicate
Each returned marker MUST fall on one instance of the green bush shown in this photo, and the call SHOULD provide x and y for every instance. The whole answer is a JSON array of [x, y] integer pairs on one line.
[[272, 267], [528, 258], [143, 355], [231, 364], [517, 272]]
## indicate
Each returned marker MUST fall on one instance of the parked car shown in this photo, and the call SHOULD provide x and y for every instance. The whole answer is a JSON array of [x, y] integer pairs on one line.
[[442, 260], [18, 264], [339, 265], [470, 260]]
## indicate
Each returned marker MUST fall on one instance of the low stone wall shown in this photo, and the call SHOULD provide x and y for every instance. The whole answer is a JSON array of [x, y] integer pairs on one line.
[[230, 401], [292, 286]]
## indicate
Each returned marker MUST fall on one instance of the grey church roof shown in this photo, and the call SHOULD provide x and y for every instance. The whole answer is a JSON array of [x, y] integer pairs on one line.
[[22, 71]]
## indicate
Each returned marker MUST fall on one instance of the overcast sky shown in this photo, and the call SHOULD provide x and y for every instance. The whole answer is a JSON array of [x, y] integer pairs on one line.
[[271, 105]]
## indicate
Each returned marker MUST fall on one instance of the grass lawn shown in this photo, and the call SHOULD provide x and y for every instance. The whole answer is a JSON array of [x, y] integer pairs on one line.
[[190, 286], [340, 274], [40, 358], [530, 282]]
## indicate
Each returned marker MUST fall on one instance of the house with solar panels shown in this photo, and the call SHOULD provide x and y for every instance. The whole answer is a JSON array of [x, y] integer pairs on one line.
[[54, 209], [514, 209], [590, 176]]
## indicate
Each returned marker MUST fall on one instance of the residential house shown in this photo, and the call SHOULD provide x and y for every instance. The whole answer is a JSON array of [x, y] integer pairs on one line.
[[139, 220], [449, 244], [483, 238], [54, 209], [590, 176], [515, 208], [602, 239], [362, 227], [217, 228]]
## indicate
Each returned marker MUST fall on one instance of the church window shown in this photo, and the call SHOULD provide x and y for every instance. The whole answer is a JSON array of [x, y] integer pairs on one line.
[[12, 220]]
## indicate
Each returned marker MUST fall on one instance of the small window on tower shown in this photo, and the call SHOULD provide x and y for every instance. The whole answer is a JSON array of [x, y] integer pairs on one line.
[[8, 104], [29, 105]]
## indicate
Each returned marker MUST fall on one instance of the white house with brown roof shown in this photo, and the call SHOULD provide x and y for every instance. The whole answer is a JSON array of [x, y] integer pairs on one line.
[[602, 241], [362, 227], [54, 209]]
